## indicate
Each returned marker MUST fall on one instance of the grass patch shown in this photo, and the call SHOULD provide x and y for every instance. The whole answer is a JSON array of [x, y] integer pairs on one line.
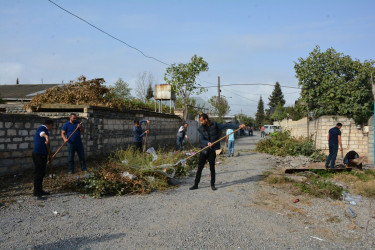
[[283, 144], [320, 188], [362, 183]]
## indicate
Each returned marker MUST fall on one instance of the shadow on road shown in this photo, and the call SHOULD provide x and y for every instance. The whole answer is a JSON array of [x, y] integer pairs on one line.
[[79, 242], [254, 178]]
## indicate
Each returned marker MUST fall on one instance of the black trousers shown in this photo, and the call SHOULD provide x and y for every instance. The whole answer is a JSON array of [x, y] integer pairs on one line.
[[138, 146], [210, 155], [40, 162]]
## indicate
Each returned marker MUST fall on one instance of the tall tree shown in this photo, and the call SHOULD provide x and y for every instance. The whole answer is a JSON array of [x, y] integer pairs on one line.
[[182, 78], [144, 80], [150, 92], [221, 108], [259, 116], [276, 97], [279, 113], [121, 90], [334, 84], [17, 82]]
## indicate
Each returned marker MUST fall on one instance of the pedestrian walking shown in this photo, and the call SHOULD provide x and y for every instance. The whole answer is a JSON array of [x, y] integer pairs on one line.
[[334, 140], [40, 157], [210, 132], [139, 133], [75, 142], [262, 133], [230, 142], [181, 135], [250, 131]]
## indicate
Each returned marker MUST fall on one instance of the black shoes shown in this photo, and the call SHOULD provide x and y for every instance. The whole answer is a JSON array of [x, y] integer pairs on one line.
[[213, 187], [41, 193], [193, 187]]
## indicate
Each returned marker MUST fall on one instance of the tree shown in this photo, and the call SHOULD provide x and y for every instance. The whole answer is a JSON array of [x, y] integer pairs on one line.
[[276, 97], [121, 90], [144, 80], [279, 113], [17, 82], [150, 92], [334, 84], [182, 79], [248, 120], [193, 108], [259, 116], [296, 112], [221, 108]]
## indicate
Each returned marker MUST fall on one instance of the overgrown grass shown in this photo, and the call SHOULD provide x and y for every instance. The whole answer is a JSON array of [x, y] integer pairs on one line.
[[322, 183], [283, 144]]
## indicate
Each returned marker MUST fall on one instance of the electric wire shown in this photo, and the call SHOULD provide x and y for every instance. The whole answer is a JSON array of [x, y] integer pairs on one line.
[[117, 39]]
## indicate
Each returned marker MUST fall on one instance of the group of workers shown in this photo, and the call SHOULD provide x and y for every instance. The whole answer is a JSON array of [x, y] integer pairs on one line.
[[209, 132]]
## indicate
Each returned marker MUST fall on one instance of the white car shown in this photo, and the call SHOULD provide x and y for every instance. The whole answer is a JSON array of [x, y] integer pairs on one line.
[[269, 129]]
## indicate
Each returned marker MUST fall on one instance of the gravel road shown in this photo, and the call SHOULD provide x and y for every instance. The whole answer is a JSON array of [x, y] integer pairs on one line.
[[244, 213]]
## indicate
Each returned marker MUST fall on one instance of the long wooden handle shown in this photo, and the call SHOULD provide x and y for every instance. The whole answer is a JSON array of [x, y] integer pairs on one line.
[[222, 138], [145, 146], [53, 156], [49, 159]]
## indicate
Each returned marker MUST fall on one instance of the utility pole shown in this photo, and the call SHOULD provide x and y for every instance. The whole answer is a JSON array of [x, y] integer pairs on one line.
[[218, 89]]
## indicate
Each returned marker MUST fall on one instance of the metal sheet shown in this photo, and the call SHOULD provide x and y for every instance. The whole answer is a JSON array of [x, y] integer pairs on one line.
[[164, 92]]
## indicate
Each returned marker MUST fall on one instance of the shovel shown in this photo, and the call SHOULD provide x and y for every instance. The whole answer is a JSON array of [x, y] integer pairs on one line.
[[145, 146]]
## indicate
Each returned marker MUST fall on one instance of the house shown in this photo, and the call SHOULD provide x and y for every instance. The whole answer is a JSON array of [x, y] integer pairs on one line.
[[17, 93]]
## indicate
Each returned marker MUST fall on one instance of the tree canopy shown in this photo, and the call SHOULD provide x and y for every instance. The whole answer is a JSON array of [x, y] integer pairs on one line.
[[279, 113], [259, 116], [121, 89], [221, 107], [182, 78], [334, 84], [276, 97], [150, 92]]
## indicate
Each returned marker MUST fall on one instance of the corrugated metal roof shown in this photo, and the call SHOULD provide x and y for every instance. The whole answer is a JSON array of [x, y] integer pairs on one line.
[[23, 91]]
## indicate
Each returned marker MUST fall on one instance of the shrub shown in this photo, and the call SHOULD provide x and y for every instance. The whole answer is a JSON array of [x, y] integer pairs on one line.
[[283, 144]]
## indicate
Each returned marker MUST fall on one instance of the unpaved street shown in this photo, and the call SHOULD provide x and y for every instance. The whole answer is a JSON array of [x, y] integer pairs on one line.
[[243, 213]]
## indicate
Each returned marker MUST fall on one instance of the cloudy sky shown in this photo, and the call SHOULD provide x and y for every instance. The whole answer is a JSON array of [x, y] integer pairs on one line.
[[244, 42]]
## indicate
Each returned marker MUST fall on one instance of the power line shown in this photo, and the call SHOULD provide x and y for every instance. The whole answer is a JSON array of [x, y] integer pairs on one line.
[[246, 84], [241, 95], [117, 39]]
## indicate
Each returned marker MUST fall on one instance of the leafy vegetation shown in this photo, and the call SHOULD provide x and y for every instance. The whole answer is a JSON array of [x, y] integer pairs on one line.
[[283, 144], [182, 78], [221, 107], [334, 84], [131, 172]]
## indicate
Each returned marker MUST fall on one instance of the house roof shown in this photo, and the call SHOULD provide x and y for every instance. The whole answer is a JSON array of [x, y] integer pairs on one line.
[[23, 91]]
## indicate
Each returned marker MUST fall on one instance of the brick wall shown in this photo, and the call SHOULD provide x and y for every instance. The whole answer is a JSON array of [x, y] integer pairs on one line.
[[105, 132], [352, 138]]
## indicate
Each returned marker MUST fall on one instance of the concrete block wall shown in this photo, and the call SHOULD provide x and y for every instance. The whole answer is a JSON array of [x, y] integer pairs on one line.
[[106, 131], [370, 153], [352, 138]]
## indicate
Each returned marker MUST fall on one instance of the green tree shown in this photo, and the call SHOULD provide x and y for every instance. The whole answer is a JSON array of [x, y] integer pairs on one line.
[[121, 90], [334, 84], [17, 81], [248, 120], [296, 112], [279, 113], [221, 108], [182, 78], [259, 116], [150, 92], [276, 97], [193, 108]]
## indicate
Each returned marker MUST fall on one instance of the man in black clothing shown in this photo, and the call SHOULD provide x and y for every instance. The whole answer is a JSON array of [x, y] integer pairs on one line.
[[334, 140], [210, 132], [40, 155]]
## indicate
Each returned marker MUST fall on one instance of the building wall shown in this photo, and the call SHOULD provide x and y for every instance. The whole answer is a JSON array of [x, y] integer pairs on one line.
[[352, 138], [105, 132]]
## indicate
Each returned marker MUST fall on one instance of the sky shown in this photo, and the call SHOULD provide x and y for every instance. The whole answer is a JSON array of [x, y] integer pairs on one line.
[[243, 42]]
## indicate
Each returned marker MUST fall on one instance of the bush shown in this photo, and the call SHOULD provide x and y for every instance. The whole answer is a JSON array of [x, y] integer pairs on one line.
[[283, 144]]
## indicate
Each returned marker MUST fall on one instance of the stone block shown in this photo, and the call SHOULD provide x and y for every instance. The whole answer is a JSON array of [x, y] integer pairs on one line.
[[27, 125], [11, 132], [1, 125], [24, 145], [8, 124], [17, 139], [2, 132], [11, 146], [18, 125], [23, 132]]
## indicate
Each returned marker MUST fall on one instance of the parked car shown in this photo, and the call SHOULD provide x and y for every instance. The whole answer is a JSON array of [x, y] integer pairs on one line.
[[269, 129]]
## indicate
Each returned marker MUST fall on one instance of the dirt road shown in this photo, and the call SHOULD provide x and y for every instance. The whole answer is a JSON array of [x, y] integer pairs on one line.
[[244, 213]]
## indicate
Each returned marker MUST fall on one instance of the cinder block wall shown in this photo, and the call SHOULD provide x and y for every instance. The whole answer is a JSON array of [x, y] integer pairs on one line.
[[352, 138], [106, 131]]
